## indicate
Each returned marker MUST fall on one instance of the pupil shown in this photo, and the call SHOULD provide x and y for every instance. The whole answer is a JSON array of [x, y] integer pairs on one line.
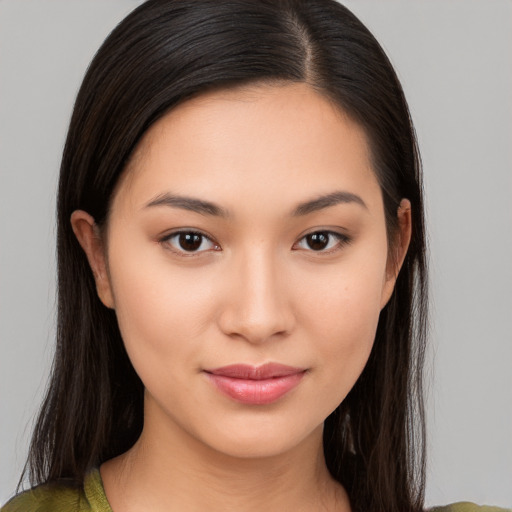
[[318, 241], [190, 241]]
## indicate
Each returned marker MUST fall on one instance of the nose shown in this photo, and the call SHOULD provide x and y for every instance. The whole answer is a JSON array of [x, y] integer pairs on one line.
[[257, 305]]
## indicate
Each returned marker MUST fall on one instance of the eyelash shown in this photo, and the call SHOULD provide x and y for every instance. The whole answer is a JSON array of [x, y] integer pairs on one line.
[[166, 240], [342, 240]]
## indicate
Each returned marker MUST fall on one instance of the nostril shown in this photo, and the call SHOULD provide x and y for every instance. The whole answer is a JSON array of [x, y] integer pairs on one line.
[[255, 326]]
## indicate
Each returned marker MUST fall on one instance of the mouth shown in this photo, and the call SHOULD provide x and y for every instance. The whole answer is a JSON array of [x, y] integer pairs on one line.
[[255, 385]]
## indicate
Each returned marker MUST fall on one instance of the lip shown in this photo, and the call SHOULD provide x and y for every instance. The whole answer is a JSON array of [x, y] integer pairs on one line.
[[255, 385]]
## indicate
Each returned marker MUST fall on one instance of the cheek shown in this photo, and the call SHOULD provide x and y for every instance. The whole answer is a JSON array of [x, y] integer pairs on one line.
[[346, 323], [341, 320], [162, 312], [346, 298]]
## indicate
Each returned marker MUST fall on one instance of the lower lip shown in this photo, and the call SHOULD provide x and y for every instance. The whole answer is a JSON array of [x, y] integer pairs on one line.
[[256, 392]]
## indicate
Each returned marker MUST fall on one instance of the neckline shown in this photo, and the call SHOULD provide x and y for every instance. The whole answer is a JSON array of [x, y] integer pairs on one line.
[[95, 492]]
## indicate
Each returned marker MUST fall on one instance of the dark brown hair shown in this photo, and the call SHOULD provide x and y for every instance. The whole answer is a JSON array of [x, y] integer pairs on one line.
[[163, 53]]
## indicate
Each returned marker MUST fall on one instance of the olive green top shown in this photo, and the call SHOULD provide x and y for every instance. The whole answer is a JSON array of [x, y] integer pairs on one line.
[[63, 498]]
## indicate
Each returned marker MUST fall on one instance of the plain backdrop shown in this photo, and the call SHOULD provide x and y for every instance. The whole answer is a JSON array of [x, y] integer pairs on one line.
[[454, 58]]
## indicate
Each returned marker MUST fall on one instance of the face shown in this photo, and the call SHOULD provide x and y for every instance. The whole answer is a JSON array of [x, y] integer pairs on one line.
[[247, 262]]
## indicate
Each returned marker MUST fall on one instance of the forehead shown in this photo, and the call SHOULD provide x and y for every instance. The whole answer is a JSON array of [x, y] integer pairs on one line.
[[276, 143]]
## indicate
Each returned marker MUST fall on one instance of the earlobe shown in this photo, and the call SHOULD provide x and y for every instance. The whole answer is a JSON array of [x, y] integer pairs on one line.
[[399, 249], [89, 238]]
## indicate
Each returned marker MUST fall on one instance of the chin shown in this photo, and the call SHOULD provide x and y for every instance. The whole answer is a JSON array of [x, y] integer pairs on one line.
[[261, 441]]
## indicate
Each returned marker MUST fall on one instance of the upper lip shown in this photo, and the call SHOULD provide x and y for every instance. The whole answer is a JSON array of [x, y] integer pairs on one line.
[[249, 372]]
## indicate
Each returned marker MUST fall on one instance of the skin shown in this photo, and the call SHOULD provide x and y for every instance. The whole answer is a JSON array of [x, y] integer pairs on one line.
[[254, 292]]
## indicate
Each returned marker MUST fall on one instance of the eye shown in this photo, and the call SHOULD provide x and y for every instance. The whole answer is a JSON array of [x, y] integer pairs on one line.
[[189, 242], [322, 241]]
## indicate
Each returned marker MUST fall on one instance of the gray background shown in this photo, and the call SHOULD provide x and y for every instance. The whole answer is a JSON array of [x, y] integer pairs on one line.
[[454, 58]]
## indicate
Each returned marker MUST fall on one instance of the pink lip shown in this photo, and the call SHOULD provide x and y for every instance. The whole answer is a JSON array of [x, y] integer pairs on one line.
[[255, 385]]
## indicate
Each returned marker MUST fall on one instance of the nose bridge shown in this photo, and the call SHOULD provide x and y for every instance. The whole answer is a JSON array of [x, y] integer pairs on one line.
[[257, 306]]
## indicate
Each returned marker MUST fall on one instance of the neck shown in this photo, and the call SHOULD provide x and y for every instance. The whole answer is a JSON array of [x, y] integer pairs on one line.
[[167, 469]]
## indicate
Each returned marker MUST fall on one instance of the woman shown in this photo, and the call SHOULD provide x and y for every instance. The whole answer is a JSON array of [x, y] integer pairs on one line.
[[242, 281]]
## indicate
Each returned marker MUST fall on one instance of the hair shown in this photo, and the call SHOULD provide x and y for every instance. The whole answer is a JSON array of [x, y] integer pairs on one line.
[[160, 55]]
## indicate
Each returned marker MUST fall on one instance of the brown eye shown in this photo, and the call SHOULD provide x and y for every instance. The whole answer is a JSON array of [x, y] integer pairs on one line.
[[183, 242], [323, 241], [317, 241], [190, 241]]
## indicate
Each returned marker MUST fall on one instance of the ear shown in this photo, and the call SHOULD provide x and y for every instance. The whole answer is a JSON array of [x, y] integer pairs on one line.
[[398, 251], [89, 237]]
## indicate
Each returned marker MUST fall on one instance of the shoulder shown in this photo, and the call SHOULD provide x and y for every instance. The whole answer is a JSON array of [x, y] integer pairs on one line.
[[48, 498], [62, 497], [465, 506]]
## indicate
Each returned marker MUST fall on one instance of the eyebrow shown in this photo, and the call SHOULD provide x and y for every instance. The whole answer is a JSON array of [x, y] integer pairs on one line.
[[208, 208], [326, 201], [188, 203]]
